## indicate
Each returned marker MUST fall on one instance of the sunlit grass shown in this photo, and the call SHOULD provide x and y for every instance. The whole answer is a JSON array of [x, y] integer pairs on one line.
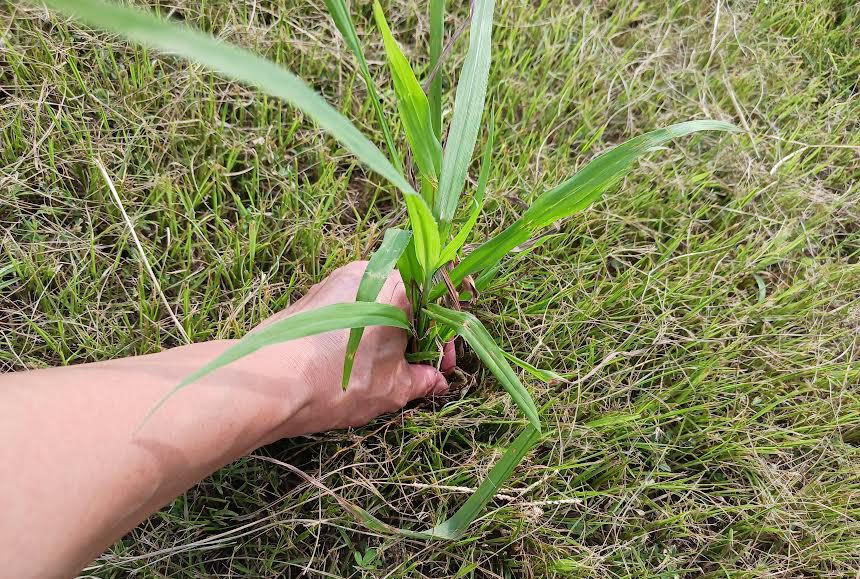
[[702, 424]]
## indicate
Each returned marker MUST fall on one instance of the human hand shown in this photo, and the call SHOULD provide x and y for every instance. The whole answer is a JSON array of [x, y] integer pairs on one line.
[[382, 381]]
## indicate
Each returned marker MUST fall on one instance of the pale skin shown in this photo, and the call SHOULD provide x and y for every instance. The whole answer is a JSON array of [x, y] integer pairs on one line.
[[75, 476]]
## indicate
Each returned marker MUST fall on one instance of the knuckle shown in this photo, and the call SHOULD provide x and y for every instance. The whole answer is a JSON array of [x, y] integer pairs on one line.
[[403, 396]]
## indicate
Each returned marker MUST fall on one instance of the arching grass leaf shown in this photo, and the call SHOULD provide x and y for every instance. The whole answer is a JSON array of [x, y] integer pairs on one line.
[[458, 523], [473, 331], [573, 195], [413, 106], [236, 63], [426, 235], [588, 184]]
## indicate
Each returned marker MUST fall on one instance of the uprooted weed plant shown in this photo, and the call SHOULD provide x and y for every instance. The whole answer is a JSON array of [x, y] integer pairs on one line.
[[431, 176]]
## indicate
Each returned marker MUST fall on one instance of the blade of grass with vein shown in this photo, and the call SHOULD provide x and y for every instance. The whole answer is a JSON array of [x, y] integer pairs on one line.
[[573, 195], [236, 63], [412, 104], [342, 19], [450, 251], [310, 323], [410, 271], [408, 266], [468, 108], [437, 35], [476, 335], [589, 183], [378, 269]]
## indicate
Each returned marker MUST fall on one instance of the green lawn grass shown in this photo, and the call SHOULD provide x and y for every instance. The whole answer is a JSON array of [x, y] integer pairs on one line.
[[705, 315]]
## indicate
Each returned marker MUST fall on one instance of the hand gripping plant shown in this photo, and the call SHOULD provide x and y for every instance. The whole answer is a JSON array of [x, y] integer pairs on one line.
[[429, 256]]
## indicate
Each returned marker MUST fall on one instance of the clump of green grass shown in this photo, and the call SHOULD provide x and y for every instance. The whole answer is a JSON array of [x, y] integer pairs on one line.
[[429, 257], [700, 426]]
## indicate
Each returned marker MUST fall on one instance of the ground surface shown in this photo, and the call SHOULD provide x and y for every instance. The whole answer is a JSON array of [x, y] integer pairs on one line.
[[705, 312]]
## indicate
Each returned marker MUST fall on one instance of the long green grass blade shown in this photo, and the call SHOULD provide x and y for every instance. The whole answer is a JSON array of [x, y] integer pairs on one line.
[[589, 183], [573, 195], [310, 323], [413, 106], [426, 235], [342, 19], [474, 332], [378, 269], [450, 251], [236, 63], [468, 108], [437, 36]]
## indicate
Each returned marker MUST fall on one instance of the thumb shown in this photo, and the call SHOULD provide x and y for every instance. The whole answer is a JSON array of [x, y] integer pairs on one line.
[[426, 380]]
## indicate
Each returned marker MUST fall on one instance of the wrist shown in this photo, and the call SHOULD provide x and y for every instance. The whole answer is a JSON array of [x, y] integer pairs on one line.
[[271, 386], [244, 404]]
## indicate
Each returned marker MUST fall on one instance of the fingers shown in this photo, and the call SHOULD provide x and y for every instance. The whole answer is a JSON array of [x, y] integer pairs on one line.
[[449, 357], [426, 381]]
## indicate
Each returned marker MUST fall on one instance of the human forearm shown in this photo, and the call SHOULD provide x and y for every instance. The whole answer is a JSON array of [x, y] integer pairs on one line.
[[78, 476]]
